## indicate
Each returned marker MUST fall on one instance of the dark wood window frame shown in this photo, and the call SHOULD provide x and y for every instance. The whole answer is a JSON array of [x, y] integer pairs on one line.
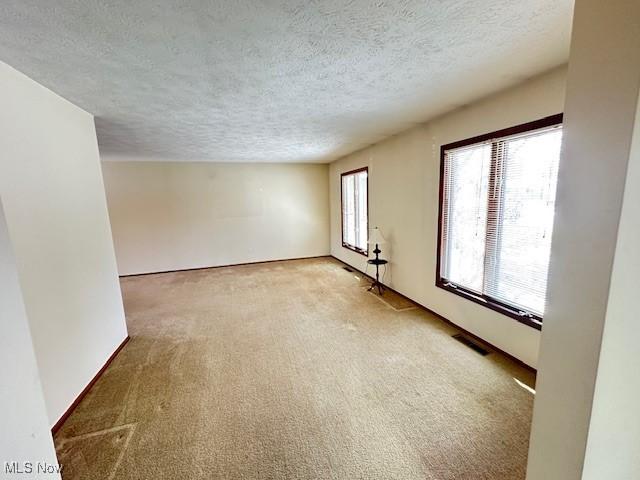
[[353, 248], [526, 318]]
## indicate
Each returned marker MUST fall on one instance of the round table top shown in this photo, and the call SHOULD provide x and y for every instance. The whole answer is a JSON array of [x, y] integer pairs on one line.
[[377, 261]]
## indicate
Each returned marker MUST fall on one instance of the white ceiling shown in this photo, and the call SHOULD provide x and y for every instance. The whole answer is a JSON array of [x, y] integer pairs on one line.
[[275, 80]]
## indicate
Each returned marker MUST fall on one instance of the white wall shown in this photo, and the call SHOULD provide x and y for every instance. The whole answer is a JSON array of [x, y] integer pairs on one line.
[[180, 215], [614, 431], [403, 202], [24, 422], [586, 421], [51, 186]]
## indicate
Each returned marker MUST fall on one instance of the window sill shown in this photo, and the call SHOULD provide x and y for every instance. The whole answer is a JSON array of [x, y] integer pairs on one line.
[[357, 250], [530, 321]]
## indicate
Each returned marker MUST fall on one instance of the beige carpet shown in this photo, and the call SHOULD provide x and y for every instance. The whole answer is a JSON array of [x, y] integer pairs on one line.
[[292, 370]]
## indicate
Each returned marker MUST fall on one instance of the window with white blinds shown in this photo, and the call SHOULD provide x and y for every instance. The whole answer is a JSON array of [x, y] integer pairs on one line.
[[355, 222], [496, 218]]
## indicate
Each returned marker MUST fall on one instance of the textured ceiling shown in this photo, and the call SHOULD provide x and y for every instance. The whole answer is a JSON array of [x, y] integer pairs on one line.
[[275, 80]]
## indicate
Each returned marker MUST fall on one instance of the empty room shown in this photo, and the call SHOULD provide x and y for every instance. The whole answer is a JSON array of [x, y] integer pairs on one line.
[[319, 239]]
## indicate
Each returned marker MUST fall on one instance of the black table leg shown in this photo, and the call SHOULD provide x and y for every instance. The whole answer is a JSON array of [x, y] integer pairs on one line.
[[377, 282], [377, 262]]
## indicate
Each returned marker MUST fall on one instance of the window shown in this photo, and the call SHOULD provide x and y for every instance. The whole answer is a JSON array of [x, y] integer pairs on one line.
[[355, 223], [497, 201]]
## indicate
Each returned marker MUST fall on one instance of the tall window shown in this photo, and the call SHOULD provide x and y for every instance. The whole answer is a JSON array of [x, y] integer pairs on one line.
[[354, 210], [496, 217]]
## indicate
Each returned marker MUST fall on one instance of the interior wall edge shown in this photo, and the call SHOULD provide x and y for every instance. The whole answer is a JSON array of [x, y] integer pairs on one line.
[[55, 207]]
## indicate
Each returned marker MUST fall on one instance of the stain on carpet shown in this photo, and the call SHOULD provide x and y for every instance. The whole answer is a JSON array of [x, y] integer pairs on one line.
[[94, 455], [392, 299]]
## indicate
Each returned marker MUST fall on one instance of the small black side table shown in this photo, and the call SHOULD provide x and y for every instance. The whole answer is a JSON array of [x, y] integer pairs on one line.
[[377, 262]]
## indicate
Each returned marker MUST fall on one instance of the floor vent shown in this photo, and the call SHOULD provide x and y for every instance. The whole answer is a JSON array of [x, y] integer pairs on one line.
[[471, 344], [347, 269]]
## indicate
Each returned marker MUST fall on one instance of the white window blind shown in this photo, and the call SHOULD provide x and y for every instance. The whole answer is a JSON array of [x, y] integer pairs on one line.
[[498, 200], [354, 210], [465, 215]]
